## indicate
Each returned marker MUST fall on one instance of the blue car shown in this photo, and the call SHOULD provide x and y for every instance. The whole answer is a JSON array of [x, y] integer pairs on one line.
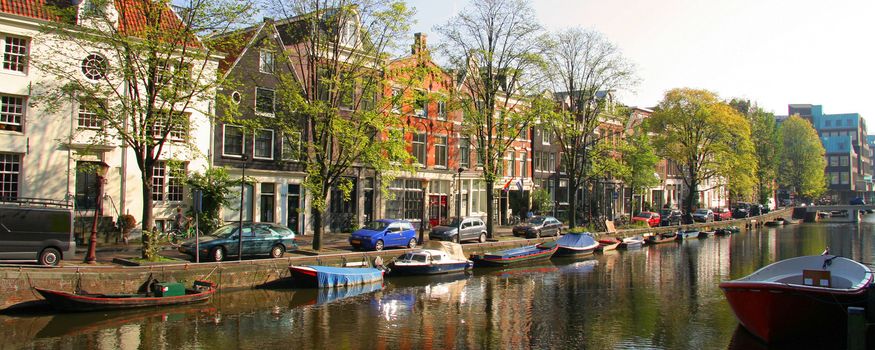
[[379, 234]]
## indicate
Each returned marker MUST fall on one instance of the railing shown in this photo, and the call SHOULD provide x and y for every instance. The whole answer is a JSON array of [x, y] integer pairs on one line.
[[35, 202]]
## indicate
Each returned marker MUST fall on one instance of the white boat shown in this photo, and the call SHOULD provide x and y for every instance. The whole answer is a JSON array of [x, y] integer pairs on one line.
[[436, 257]]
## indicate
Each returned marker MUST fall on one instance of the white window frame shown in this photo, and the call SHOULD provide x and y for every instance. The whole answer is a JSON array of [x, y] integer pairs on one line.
[[424, 144], [7, 117], [397, 96], [273, 102], [546, 138], [26, 56], [297, 136], [93, 120], [10, 161], [262, 63], [163, 191], [272, 141], [441, 110], [242, 142], [446, 146]]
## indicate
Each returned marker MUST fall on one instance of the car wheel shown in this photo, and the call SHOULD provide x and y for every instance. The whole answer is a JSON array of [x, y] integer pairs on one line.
[[482, 237], [277, 251], [455, 239], [412, 243], [379, 245], [49, 257], [218, 254]]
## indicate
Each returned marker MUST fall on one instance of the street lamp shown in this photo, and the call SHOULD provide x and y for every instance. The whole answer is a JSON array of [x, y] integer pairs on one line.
[[102, 169], [459, 191], [240, 226]]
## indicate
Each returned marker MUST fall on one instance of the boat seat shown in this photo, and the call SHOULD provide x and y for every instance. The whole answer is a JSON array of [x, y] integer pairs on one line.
[[817, 278]]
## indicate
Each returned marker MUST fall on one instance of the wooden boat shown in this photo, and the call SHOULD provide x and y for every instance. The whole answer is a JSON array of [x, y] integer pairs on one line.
[[664, 237], [774, 223], [706, 234], [632, 242], [83, 301], [607, 244], [788, 221], [798, 296], [315, 276], [436, 257], [727, 230], [574, 244], [687, 234], [512, 256]]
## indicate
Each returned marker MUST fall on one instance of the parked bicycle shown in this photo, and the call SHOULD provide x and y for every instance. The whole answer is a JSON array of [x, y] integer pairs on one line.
[[176, 236]]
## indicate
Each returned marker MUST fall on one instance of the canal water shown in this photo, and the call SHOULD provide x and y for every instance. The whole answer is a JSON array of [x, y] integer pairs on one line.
[[663, 297]]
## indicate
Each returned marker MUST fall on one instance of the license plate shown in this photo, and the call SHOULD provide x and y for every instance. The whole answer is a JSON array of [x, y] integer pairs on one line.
[[355, 241]]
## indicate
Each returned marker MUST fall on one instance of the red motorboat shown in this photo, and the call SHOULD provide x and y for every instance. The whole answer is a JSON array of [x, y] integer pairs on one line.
[[798, 296]]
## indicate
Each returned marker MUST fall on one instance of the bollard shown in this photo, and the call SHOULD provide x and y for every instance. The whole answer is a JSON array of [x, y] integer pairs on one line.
[[856, 328]]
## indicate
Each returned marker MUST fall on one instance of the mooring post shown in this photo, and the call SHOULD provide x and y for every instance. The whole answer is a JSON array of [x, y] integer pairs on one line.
[[856, 328]]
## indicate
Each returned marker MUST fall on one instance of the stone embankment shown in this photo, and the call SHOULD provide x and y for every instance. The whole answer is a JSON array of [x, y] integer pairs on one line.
[[16, 282]]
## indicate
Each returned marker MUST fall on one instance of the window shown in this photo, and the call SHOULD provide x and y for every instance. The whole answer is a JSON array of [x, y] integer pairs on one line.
[[421, 105], [369, 96], [263, 148], [236, 98], [86, 185], [552, 165], [442, 110], [268, 191], [845, 177], [838, 122], [10, 168], [347, 93], [834, 178], [419, 146], [11, 113], [179, 125], [440, 151], [167, 182], [264, 101], [524, 168], [14, 54], [89, 116], [508, 164], [465, 152], [396, 100], [94, 67], [546, 137], [407, 202], [843, 160], [265, 62], [292, 146], [232, 141], [828, 123], [833, 161]]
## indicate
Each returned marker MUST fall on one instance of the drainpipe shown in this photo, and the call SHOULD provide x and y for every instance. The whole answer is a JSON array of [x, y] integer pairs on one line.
[[123, 182]]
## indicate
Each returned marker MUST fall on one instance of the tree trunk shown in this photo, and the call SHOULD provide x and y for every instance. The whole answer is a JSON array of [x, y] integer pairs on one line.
[[148, 221], [490, 209], [572, 207], [317, 229], [692, 197]]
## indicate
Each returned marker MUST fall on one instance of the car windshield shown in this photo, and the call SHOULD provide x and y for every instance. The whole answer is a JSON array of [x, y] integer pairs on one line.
[[376, 226], [538, 220], [224, 231], [454, 222], [702, 211], [644, 215]]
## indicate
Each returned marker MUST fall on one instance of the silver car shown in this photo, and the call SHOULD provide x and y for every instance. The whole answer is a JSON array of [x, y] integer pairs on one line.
[[460, 229]]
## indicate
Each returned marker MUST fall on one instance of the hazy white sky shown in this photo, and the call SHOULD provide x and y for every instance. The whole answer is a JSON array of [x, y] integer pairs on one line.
[[774, 52]]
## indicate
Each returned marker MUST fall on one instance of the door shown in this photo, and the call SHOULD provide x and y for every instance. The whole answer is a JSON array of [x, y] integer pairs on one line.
[[465, 230], [293, 217], [249, 242], [393, 235], [264, 240]]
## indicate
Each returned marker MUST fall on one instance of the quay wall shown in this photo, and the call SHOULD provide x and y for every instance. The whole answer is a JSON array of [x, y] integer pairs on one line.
[[16, 282]]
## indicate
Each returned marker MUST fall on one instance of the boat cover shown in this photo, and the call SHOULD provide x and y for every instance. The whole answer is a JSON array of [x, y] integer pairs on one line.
[[331, 294], [454, 250], [576, 241], [516, 252], [328, 276]]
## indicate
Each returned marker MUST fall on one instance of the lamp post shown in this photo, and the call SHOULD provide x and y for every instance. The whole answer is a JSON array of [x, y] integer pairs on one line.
[[102, 169], [459, 191], [242, 198]]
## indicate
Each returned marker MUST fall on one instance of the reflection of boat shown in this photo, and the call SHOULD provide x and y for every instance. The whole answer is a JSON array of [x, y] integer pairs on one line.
[[436, 257], [607, 244], [706, 234], [516, 255], [174, 294], [774, 223], [79, 323], [792, 297], [632, 242], [727, 230], [579, 267], [661, 238], [327, 295], [326, 276], [574, 244]]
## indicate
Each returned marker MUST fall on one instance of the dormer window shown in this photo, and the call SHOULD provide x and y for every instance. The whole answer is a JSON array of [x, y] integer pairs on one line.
[[266, 62], [349, 33]]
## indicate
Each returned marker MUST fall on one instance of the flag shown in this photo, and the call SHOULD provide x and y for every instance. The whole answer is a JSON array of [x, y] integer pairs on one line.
[[519, 185], [507, 185]]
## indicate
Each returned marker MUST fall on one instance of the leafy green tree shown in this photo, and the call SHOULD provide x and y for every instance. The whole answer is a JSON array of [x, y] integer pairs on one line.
[[495, 45], [803, 162], [766, 141], [707, 138], [641, 159], [216, 186], [145, 72], [541, 201]]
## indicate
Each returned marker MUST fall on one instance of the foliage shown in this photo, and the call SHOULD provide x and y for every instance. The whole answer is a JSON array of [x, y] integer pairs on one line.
[[641, 160], [803, 162], [147, 73], [541, 201], [495, 44], [216, 186], [577, 230], [708, 139], [766, 141]]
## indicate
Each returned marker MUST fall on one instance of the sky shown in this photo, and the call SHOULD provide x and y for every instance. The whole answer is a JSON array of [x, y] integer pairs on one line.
[[773, 52]]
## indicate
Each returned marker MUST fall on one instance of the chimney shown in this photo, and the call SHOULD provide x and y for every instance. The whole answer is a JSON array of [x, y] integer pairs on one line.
[[419, 44]]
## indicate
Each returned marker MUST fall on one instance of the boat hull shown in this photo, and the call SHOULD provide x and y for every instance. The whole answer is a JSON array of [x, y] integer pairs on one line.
[[658, 239], [72, 302], [777, 312], [430, 269], [306, 276], [499, 260]]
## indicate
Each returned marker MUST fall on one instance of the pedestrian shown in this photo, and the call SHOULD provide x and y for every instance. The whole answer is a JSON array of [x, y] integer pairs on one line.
[[181, 221]]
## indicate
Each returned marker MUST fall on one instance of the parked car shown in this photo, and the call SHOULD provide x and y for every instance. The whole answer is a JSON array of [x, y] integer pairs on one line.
[[721, 214], [36, 230], [383, 233], [539, 226], [756, 209], [858, 201], [652, 219], [703, 215], [258, 239], [459, 229], [670, 217], [741, 210]]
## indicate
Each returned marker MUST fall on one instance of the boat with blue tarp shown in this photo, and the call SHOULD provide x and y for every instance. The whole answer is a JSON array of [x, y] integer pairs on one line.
[[574, 244], [515, 255], [315, 276]]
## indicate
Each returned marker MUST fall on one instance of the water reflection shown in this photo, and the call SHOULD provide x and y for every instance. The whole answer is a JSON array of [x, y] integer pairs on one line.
[[664, 296]]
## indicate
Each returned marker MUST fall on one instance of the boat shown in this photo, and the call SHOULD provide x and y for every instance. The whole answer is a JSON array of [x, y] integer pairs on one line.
[[154, 294], [727, 230], [706, 234], [798, 296], [575, 244], [435, 257], [664, 237], [789, 221], [687, 234], [632, 242], [774, 223], [314, 276], [511, 256], [607, 244]]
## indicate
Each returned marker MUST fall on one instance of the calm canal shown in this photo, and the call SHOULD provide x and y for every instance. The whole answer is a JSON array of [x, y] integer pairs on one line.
[[662, 296]]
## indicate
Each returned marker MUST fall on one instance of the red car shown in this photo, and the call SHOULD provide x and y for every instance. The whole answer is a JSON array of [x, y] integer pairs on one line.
[[721, 214], [651, 218]]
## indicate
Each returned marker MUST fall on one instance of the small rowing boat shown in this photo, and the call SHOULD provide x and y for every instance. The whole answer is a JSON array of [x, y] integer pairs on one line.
[[516, 255], [157, 294]]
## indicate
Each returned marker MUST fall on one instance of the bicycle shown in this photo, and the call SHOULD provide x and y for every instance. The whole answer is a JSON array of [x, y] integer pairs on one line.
[[176, 236]]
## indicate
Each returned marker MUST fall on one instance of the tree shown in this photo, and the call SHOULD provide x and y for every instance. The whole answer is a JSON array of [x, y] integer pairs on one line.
[[707, 138], [338, 51], [803, 162], [216, 186], [606, 163], [495, 44], [144, 73], [766, 141], [641, 159], [585, 69]]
